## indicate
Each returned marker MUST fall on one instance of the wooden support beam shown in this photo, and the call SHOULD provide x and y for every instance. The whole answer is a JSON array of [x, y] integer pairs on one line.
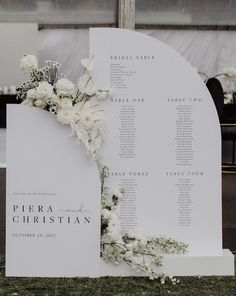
[[126, 14]]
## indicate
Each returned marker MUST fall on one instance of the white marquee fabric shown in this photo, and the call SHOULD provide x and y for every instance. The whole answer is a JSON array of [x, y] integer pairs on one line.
[[209, 51], [67, 46]]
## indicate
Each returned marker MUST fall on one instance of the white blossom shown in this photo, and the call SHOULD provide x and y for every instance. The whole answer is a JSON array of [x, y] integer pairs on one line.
[[87, 64], [228, 98], [77, 108], [90, 114], [31, 94], [129, 246], [118, 193], [65, 87], [44, 91], [66, 115], [230, 74], [108, 202], [54, 100], [53, 109], [29, 63], [138, 251], [27, 102], [86, 85], [114, 236], [106, 214], [65, 103]]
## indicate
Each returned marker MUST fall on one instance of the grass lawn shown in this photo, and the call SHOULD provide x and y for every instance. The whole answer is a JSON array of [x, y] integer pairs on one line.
[[188, 286]]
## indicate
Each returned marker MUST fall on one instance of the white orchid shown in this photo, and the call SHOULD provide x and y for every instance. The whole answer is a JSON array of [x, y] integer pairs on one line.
[[86, 85], [88, 63]]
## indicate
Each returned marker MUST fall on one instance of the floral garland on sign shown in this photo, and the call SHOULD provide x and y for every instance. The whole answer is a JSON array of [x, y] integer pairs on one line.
[[143, 254], [80, 109]]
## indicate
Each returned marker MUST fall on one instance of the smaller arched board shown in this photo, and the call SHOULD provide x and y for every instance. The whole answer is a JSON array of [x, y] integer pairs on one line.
[[52, 212]]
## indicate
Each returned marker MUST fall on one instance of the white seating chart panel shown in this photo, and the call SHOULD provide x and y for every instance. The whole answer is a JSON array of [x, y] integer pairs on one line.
[[163, 139]]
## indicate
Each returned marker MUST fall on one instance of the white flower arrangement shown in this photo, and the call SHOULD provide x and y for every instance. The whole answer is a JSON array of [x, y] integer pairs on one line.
[[230, 73], [144, 254], [228, 98], [227, 73], [229, 78], [78, 108]]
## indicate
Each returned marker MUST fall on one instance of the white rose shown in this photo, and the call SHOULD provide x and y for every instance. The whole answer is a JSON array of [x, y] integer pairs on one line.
[[44, 90], [65, 87], [31, 94], [29, 63]]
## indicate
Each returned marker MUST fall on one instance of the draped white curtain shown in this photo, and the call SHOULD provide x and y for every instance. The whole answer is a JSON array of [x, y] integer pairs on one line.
[[209, 51], [67, 46]]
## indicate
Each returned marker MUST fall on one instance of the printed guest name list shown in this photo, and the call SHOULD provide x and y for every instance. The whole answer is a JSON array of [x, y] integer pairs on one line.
[[157, 139]]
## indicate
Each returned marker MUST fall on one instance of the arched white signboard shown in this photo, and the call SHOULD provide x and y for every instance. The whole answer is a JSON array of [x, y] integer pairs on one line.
[[163, 140]]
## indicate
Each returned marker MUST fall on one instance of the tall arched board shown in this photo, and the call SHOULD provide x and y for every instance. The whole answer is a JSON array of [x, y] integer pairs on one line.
[[163, 144]]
